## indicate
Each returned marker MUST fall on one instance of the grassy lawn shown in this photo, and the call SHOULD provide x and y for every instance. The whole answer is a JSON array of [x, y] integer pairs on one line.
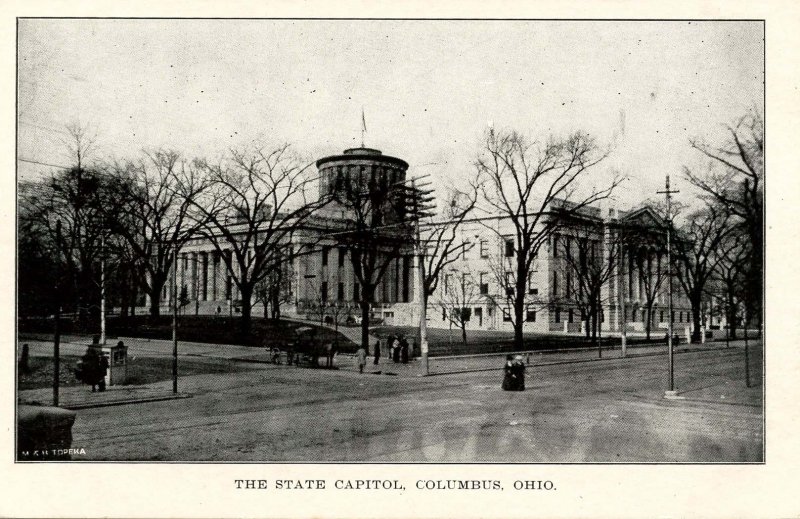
[[448, 342], [141, 370], [204, 328]]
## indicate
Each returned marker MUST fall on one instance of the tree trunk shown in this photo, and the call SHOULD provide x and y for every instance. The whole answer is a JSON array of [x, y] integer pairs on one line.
[[519, 308], [649, 320], [586, 317], [731, 315], [154, 291], [365, 324], [155, 309], [247, 308], [275, 304], [696, 321], [464, 333]]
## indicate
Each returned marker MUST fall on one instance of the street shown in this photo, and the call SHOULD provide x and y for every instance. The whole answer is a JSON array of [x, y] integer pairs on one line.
[[609, 411]]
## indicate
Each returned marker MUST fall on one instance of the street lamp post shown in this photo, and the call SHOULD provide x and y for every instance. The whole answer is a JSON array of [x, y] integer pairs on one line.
[[418, 202], [56, 330], [423, 307], [175, 322], [102, 289], [746, 347], [670, 393]]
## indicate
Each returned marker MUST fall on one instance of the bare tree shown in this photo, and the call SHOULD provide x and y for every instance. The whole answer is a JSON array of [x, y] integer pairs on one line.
[[276, 288], [156, 197], [377, 229], [258, 199], [534, 185], [442, 241], [75, 196], [736, 183], [460, 294], [654, 272], [732, 255], [590, 260], [697, 240]]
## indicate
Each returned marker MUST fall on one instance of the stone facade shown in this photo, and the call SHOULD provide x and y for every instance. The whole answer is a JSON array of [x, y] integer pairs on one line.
[[322, 270]]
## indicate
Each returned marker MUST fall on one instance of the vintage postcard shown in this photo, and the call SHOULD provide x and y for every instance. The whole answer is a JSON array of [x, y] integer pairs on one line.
[[394, 266]]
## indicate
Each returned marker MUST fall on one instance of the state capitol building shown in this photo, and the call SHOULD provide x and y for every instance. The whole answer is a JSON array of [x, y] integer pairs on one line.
[[322, 271]]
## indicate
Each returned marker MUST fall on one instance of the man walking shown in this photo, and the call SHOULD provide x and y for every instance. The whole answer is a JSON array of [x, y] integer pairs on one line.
[[377, 352], [361, 357]]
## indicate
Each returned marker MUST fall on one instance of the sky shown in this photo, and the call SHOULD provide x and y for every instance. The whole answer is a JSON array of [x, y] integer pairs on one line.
[[429, 89]]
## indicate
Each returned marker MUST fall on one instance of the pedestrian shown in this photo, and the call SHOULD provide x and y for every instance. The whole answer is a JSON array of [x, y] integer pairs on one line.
[[328, 355], [101, 383], [361, 358], [396, 350], [377, 352], [518, 369], [508, 377], [24, 362], [90, 368], [404, 350], [389, 346]]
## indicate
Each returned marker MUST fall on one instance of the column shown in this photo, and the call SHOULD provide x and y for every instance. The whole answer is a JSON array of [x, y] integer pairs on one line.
[[193, 277], [168, 284], [659, 272], [235, 274], [179, 264], [204, 276], [214, 271], [639, 273], [227, 277], [147, 297]]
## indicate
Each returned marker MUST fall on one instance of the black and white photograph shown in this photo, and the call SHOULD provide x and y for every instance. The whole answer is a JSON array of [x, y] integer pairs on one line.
[[390, 241]]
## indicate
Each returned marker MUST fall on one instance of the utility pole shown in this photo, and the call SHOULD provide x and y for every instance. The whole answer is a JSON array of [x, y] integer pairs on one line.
[[746, 345], [423, 310], [102, 288], [175, 322], [621, 288], [196, 270], [670, 393], [56, 330]]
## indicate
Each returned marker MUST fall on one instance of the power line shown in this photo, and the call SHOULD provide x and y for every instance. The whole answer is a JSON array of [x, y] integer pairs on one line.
[[31, 161]]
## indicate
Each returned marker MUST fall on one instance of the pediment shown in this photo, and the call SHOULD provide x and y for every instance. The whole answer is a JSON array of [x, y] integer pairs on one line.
[[644, 217]]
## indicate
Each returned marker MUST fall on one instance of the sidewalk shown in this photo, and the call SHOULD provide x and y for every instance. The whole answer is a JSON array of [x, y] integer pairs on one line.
[[353, 333], [42, 345], [81, 397], [495, 361]]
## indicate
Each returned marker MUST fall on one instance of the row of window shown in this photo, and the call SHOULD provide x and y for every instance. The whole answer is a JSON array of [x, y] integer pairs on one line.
[[483, 283], [326, 251], [643, 314], [483, 248], [586, 247]]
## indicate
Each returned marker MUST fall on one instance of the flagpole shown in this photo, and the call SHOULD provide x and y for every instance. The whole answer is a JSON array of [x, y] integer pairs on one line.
[[363, 126]]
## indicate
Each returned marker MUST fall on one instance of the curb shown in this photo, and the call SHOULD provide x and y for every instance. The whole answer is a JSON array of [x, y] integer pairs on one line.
[[578, 361], [75, 407]]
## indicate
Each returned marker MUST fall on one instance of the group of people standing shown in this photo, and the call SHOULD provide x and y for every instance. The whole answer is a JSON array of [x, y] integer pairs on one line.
[[514, 373], [398, 350], [92, 368]]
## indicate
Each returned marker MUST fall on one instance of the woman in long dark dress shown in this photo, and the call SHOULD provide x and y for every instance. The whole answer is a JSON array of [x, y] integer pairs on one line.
[[508, 376], [518, 369]]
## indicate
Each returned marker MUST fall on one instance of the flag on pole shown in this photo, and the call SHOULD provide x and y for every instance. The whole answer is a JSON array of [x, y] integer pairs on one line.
[[363, 121], [363, 126]]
